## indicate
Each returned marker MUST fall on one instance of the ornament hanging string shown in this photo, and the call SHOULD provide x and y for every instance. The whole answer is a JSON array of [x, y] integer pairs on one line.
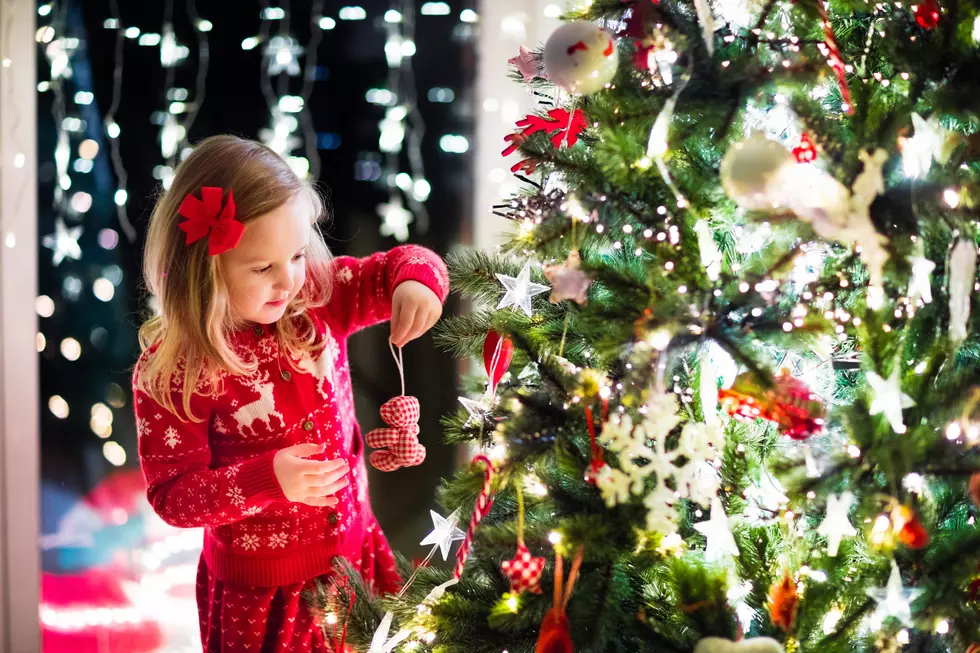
[[494, 361], [483, 503], [834, 58], [399, 362], [596, 449], [520, 515]]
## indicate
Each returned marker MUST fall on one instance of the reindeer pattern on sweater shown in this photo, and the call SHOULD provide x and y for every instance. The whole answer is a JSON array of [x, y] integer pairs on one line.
[[219, 474]]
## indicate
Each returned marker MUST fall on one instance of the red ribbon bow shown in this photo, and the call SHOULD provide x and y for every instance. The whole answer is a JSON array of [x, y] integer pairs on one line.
[[206, 216]]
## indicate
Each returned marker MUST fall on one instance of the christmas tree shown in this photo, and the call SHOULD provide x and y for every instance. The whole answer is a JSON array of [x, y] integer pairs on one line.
[[747, 419]]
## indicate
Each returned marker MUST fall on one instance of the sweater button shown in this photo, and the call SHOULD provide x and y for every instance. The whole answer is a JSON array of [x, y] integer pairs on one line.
[[308, 425], [333, 518], [285, 375], [258, 331]]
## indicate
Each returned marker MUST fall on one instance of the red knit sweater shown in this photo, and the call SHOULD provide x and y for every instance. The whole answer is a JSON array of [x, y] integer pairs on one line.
[[219, 474]]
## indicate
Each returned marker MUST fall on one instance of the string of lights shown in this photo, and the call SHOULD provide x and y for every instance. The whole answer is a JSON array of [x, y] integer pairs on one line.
[[121, 195], [70, 210], [280, 61], [402, 128], [173, 133]]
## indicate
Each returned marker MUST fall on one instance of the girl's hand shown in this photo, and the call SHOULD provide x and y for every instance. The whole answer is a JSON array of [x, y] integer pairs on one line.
[[414, 310], [313, 482]]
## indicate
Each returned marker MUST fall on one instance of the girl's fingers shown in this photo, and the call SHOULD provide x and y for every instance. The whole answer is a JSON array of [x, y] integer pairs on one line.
[[320, 502], [329, 489], [419, 325], [320, 483], [321, 467], [401, 329], [396, 314]]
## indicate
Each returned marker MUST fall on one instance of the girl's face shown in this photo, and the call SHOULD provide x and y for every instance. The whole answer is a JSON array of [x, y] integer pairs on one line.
[[268, 268]]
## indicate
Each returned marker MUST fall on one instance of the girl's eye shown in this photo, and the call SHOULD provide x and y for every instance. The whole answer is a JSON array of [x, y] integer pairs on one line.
[[264, 270], [299, 256]]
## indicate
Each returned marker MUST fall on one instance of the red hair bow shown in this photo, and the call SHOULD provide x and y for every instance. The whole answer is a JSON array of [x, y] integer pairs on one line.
[[205, 216]]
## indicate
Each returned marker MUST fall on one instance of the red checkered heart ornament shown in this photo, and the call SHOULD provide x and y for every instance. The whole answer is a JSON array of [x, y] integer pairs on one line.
[[398, 445]]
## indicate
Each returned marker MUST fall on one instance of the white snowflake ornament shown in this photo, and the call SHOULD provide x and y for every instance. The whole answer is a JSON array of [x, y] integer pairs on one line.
[[643, 457]]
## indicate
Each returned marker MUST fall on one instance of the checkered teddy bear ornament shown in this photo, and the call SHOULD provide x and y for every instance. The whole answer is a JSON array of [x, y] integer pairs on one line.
[[397, 445]]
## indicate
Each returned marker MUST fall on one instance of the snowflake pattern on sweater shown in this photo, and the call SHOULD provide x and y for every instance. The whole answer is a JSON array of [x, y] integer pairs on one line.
[[219, 473]]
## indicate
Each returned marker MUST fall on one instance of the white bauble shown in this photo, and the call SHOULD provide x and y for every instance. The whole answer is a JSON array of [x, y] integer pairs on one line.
[[756, 645], [749, 168], [580, 57]]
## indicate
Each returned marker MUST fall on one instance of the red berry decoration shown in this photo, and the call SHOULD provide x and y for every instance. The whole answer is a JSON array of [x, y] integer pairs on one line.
[[806, 151], [927, 14]]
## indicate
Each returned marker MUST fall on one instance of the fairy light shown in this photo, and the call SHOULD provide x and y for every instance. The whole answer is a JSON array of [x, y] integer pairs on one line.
[[951, 197], [402, 126], [290, 114], [555, 538], [114, 453], [953, 431]]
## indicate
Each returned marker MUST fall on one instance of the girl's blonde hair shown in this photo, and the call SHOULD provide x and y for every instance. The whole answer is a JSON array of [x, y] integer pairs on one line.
[[186, 346]]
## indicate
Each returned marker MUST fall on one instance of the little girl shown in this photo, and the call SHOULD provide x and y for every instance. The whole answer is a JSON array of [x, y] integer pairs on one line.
[[243, 395]]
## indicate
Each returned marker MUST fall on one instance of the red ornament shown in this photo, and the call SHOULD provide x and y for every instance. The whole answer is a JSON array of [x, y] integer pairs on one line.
[[597, 463], [523, 571], [564, 128], [908, 528], [529, 165], [641, 56], [555, 635], [974, 648], [975, 489], [784, 601], [498, 352], [788, 402], [398, 445], [593, 470], [975, 587], [806, 151], [927, 14]]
